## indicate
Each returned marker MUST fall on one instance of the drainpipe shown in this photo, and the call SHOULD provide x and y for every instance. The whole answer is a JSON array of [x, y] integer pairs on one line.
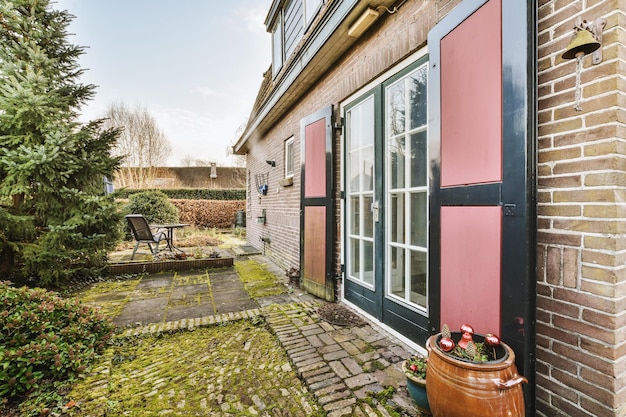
[[266, 240]]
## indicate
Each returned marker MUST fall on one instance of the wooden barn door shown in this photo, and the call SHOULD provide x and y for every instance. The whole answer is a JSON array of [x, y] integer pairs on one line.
[[316, 220], [481, 139]]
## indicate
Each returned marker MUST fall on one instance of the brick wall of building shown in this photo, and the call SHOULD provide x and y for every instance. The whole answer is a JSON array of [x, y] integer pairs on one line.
[[581, 300], [281, 203]]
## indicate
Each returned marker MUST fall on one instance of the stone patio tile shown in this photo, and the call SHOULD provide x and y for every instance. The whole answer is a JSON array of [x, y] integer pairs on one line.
[[142, 311], [228, 295], [235, 305], [186, 291], [154, 282], [225, 285], [108, 297], [200, 310]]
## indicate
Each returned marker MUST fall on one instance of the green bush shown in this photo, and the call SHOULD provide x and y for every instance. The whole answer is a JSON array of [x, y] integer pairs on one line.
[[209, 213], [45, 338], [154, 205], [191, 193]]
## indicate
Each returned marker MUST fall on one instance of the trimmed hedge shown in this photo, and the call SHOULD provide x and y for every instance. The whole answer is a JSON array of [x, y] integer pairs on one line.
[[190, 193], [209, 213]]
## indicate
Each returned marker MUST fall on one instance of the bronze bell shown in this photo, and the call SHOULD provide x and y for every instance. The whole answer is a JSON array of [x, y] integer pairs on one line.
[[582, 41]]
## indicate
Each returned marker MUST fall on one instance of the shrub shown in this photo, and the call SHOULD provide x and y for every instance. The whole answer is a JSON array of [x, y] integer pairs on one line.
[[45, 338], [209, 213], [154, 205], [191, 193]]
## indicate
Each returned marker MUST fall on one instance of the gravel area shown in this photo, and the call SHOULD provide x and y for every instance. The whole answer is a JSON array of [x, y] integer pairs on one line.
[[340, 315]]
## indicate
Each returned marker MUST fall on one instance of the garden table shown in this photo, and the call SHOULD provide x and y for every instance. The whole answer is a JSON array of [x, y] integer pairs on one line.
[[169, 227]]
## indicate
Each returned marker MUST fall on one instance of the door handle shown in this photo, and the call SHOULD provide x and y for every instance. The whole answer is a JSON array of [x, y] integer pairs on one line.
[[375, 211]]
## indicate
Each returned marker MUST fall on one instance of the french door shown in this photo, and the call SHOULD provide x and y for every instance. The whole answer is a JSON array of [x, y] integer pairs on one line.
[[439, 183], [363, 188], [386, 201], [405, 278]]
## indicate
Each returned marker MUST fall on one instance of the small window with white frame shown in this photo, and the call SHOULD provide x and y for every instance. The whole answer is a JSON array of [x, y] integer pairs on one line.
[[289, 163]]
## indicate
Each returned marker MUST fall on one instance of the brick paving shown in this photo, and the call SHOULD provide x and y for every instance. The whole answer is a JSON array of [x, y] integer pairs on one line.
[[345, 371], [342, 365]]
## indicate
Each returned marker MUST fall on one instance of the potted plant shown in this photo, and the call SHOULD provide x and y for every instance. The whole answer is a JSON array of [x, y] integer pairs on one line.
[[415, 370], [478, 371]]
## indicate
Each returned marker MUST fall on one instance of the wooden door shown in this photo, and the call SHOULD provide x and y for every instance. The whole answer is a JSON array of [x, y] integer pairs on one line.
[[482, 148], [316, 220]]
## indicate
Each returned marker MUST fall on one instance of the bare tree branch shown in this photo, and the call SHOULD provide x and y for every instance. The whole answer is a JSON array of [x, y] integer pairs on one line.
[[236, 160], [142, 144]]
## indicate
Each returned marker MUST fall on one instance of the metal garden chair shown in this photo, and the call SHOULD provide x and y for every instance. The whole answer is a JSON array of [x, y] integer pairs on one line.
[[142, 233]]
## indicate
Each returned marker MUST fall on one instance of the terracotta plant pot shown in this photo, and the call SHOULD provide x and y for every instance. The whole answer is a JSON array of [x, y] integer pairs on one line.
[[417, 390], [460, 388]]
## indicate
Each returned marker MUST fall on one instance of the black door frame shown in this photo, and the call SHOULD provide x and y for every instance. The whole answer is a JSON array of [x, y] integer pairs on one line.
[[357, 294], [405, 320]]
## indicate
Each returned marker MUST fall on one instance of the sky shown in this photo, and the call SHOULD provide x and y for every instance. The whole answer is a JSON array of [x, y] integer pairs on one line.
[[195, 65]]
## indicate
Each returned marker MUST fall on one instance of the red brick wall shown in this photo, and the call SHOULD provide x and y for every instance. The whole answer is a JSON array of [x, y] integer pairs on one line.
[[281, 204], [581, 300]]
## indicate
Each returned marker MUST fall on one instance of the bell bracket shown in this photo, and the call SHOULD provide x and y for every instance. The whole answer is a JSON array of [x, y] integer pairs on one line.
[[596, 28]]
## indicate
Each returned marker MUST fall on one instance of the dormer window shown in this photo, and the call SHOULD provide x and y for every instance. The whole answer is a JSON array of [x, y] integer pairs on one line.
[[277, 46], [310, 7], [290, 23]]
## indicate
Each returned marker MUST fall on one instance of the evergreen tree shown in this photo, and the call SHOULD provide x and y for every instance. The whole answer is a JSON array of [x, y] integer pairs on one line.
[[55, 221]]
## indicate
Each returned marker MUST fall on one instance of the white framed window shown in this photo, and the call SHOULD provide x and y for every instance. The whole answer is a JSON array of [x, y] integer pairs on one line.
[[385, 184], [289, 158], [360, 169]]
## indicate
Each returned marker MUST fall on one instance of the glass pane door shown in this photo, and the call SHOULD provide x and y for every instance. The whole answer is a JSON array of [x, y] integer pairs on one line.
[[360, 203], [407, 190]]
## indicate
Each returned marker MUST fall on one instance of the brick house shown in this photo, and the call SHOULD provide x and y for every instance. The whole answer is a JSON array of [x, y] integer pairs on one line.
[[423, 162]]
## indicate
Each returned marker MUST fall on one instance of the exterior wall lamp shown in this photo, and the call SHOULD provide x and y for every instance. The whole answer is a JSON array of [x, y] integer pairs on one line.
[[368, 17], [364, 21], [586, 40]]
